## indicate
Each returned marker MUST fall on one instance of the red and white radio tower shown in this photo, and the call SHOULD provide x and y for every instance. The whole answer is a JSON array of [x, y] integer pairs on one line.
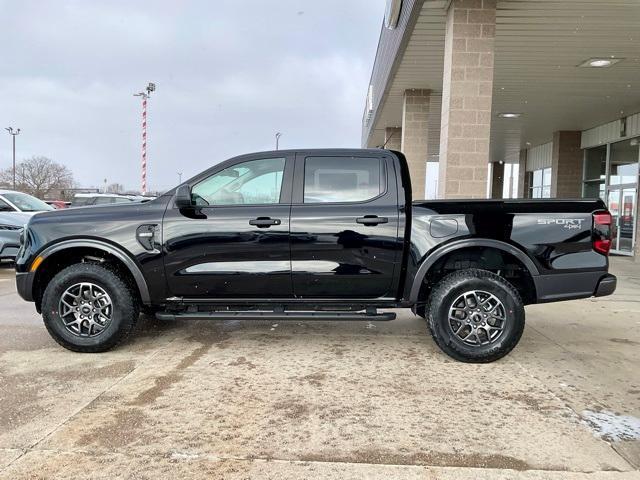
[[145, 96]]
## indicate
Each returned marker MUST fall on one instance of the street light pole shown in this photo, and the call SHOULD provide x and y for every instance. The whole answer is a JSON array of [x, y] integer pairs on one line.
[[145, 96], [278, 135], [14, 134], [179, 178]]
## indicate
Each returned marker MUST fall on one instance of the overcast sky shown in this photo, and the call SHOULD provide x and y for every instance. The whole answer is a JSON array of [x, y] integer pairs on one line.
[[230, 73]]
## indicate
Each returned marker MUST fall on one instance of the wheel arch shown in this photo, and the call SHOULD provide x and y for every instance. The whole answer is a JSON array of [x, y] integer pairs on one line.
[[84, 245], [432, 259]]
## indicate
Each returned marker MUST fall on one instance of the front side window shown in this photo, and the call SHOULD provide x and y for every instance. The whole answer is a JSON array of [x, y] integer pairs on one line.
[[256, 182], [342, 179]]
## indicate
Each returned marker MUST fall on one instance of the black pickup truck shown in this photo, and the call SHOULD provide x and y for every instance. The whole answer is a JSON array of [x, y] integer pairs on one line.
[[312, 234]]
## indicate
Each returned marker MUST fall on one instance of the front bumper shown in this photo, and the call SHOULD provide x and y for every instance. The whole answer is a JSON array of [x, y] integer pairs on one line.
[[9, 251], [24, 284]]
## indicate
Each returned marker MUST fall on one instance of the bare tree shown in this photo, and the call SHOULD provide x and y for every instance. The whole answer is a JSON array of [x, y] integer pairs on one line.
[[39, 176]]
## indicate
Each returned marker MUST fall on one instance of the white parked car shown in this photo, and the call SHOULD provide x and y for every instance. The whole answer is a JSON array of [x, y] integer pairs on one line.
[[89, 199], [15, 210], [11, 226], [11, 201]]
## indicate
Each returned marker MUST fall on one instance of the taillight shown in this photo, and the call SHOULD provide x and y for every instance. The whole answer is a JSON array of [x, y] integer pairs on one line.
[[602, 232]]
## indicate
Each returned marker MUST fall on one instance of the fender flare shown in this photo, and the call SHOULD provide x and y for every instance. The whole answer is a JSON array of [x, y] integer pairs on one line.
[[433, 257], [133, 268]]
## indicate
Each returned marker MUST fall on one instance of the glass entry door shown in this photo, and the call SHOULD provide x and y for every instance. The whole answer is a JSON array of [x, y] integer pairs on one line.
[[623, 206]]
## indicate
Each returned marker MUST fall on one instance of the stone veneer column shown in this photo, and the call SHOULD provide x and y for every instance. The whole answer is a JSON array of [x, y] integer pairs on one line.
[[393, 138], [566, 165], [415, 136], [497, 180], [637, 252], [523, 188], [467, 91]]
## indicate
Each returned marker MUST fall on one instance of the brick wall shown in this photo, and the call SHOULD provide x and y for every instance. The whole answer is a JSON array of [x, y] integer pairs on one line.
[[567, 165], [393, 138], [523, 187]]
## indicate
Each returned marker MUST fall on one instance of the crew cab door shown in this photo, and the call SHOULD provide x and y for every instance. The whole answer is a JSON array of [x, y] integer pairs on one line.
[[234, 243], [344, 226]]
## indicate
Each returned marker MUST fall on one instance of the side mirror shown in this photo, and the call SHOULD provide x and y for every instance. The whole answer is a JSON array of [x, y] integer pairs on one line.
[[183, 197]]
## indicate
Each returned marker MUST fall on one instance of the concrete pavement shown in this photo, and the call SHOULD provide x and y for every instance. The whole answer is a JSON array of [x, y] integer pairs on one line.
[[326, 400]]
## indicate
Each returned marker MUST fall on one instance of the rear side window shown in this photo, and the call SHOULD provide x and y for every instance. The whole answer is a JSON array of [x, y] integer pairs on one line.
[[343, 179], [81, 201]]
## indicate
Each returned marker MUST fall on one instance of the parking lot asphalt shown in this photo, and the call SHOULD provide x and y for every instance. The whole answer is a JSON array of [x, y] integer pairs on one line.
[[285, 400]]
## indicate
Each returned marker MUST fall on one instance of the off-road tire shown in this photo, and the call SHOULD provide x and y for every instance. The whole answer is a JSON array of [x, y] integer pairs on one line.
[[451, 287], [124, 315]]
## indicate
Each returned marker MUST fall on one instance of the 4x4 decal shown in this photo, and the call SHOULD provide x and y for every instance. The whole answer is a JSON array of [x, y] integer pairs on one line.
[[568, 223]]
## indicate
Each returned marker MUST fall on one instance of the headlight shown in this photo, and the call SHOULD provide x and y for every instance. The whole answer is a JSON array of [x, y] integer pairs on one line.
[[10, 227]]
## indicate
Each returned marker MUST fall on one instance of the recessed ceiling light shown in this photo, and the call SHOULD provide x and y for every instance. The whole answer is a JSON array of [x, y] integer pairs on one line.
[[600, 62], [509, 115]]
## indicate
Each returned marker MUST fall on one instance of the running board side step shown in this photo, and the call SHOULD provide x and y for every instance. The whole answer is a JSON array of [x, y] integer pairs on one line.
[[266, 315]]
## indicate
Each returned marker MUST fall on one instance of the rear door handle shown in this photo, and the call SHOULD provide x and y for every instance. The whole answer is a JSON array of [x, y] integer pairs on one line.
[[371, 220], [264, 222]]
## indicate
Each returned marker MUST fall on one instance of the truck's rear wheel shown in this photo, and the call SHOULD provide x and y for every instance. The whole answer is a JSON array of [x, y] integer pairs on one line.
[[475, 316], [87, 308]]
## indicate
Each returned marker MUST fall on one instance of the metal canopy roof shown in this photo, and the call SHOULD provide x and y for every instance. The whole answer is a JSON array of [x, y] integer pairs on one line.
[[539, 47]]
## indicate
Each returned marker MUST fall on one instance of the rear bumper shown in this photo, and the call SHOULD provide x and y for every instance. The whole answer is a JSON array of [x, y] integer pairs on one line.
[[606, 285], [24, 285], [571, 286]]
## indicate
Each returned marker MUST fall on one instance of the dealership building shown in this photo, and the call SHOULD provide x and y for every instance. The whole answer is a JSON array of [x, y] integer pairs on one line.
[[513, 99]]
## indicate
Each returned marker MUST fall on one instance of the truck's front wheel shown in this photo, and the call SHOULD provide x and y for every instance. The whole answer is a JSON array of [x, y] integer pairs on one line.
[[475, 316], [87, 308]]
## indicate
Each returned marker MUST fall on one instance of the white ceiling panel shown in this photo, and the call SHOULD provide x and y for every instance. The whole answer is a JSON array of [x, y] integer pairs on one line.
[[539, 45]]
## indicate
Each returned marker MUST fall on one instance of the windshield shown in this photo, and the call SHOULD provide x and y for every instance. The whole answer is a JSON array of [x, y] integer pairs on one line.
[[27, 203]]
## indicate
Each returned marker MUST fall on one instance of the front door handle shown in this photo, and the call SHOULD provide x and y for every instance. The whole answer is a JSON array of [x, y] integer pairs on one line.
[[371, 220], [264, 222]]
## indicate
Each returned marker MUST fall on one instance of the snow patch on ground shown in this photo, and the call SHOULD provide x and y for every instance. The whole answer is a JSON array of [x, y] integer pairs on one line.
[[184, 456], [612, 426]]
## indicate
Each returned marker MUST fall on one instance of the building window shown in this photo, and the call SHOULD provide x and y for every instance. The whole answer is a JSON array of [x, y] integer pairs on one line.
[[595, 172], [510, 182], [431, 181], [540, 183], [624, 162], [392, 14]]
